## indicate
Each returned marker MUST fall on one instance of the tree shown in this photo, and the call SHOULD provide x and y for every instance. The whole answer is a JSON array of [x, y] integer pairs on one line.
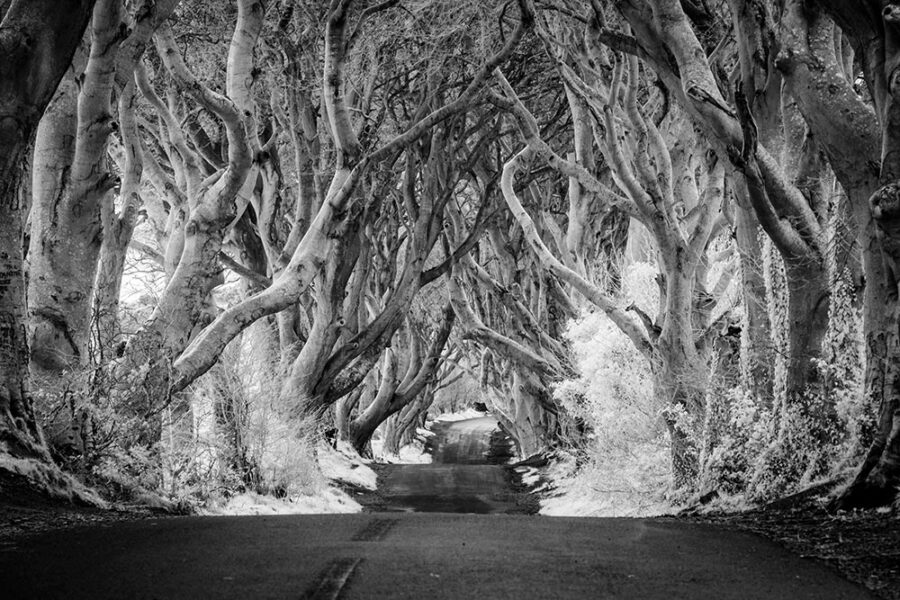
[[37, 40], [870, 177], [682, 214], [74, 189], [336, 223]]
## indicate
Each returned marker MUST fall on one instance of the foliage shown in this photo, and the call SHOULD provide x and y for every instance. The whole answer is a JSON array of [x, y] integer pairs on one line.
[[842, 370], [747, 448], [765, 452], [230, 433], [624, 461], [238, 433], [743, 431]]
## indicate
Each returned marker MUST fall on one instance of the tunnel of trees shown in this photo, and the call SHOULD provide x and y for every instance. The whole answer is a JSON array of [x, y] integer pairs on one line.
[[659, 225]]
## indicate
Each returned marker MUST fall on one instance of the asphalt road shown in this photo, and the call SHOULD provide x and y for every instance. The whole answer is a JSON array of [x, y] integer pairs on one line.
[[458, 481], [411, 555], [416, 556]]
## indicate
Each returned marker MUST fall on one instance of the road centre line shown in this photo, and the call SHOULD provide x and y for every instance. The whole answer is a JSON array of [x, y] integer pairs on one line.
[[331, 580], [375, 531]]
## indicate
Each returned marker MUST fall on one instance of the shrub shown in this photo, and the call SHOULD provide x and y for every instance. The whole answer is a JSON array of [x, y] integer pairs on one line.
[[625, 462]]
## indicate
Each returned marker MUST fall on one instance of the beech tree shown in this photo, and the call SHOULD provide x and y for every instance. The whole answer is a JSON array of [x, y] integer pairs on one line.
[[203, 205], [396, 392], [510, 309], [66, 230], [336, 222], [681, 213], [73, 188], [205, 170], [824, 93], [787, 207], [38, 40], [746, 124], [773, 106], [869, 175]]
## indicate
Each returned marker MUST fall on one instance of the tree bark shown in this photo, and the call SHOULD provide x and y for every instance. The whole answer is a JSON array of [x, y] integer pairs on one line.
[[757, 358], [117, 232], [65, 247], [37, 40]]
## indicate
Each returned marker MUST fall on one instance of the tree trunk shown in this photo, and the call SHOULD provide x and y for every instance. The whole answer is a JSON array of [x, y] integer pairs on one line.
[[19, 432], [396, 395], [344, 407], [876, 481], [392, 435], [117, 233], [37, 41], [65, 244], [680, 383], [53, 152], [756, 355], [362, 428], [402, 426], [185, 307], [808, 298], [824, 90], [531, 423]]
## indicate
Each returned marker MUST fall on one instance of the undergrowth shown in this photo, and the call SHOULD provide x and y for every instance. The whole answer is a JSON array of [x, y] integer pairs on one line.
[[231, 432], [750, 449]]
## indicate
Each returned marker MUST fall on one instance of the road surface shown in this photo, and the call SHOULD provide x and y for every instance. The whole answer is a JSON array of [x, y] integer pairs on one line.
[[465, 442], [413, 555], [459, 480]]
